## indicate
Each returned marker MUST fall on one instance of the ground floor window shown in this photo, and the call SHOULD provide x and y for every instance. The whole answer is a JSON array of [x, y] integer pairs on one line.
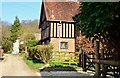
[[64, 45]]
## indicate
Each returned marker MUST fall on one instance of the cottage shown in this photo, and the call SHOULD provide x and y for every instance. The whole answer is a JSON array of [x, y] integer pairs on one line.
[[57, 25]]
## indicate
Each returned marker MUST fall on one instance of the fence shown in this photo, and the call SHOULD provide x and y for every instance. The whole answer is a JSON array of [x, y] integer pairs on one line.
[[101, 63]]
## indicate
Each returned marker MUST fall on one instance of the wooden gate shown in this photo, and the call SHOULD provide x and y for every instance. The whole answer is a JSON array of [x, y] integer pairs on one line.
[[87, 61], [100, 62]]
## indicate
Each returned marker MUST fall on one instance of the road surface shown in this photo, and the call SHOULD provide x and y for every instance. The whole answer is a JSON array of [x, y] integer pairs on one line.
[[13, 65]]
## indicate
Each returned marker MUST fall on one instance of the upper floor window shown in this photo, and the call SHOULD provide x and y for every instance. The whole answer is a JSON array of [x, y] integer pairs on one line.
[[64, 45]]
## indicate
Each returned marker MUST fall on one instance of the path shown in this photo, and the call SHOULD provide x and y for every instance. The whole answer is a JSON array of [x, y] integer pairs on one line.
[[14, 65]]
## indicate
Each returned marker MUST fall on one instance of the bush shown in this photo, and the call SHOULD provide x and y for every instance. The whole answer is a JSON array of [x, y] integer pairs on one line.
[[31, 48], [44, 53], [41, 52], [31, 43], [9, 52], [31, 52], [22, 47], [7, 45]]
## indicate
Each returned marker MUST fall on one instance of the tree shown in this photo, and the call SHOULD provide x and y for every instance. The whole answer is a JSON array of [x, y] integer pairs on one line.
[[98, 17], [102, 19], [5, 37], [6, 44], [15, 29]]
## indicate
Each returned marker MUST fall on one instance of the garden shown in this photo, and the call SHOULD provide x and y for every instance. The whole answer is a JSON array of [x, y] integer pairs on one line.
[[42, 57]]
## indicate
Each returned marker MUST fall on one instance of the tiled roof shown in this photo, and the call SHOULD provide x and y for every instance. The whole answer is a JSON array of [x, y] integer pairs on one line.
[[61, 10]]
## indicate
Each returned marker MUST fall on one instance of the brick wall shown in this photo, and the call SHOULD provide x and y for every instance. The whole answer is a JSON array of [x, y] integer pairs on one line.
[[71, 44]]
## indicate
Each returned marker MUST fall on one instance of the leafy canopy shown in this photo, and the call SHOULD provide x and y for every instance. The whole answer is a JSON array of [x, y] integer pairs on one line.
[[97, 18]]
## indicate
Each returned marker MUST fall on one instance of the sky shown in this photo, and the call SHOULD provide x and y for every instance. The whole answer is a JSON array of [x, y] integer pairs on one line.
[[24, 10]]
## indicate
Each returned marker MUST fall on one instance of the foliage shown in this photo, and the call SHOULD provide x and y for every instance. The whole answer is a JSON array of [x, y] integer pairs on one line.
[[33, 64], [31, 43], [42, 53], [69, 58], [15, 30], [98, 17], [60, 64], [6, 44], [83, 43], [5, 30], [102, 19], [31, 52], [21, 54], [22, 47], [9, 52], [30, 26], [30, 37], [5, 41], [25, 33]]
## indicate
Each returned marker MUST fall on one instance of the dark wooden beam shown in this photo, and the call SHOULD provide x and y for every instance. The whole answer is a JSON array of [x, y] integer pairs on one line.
[[53, 29], [97, 56], [71, 30], [62, 30], [107, 62], [65, 29], [56, 29], [68, 29], [104, 71], [74, 31], [84, 61], [49, 31]]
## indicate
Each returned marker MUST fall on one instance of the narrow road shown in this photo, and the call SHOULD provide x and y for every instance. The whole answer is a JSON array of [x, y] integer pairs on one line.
[[14, 65]]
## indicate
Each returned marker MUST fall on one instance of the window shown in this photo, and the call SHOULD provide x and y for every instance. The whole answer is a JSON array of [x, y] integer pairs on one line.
[[64, 45]]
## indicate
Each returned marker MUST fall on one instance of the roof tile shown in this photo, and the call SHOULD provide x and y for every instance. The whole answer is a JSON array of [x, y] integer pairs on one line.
[[61, 10]]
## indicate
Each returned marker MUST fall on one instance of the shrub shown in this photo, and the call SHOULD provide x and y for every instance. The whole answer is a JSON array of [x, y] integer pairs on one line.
[[31, 43], [31, 48], [9, 52], [44, 53], [22, 47], [7, 45], [31, 52]]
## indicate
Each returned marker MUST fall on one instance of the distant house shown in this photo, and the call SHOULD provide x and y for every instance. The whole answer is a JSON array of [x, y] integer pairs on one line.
[[57, 25]]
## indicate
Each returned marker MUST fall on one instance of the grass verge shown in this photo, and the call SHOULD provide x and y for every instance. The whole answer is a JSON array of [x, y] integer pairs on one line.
[[33, 64]]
